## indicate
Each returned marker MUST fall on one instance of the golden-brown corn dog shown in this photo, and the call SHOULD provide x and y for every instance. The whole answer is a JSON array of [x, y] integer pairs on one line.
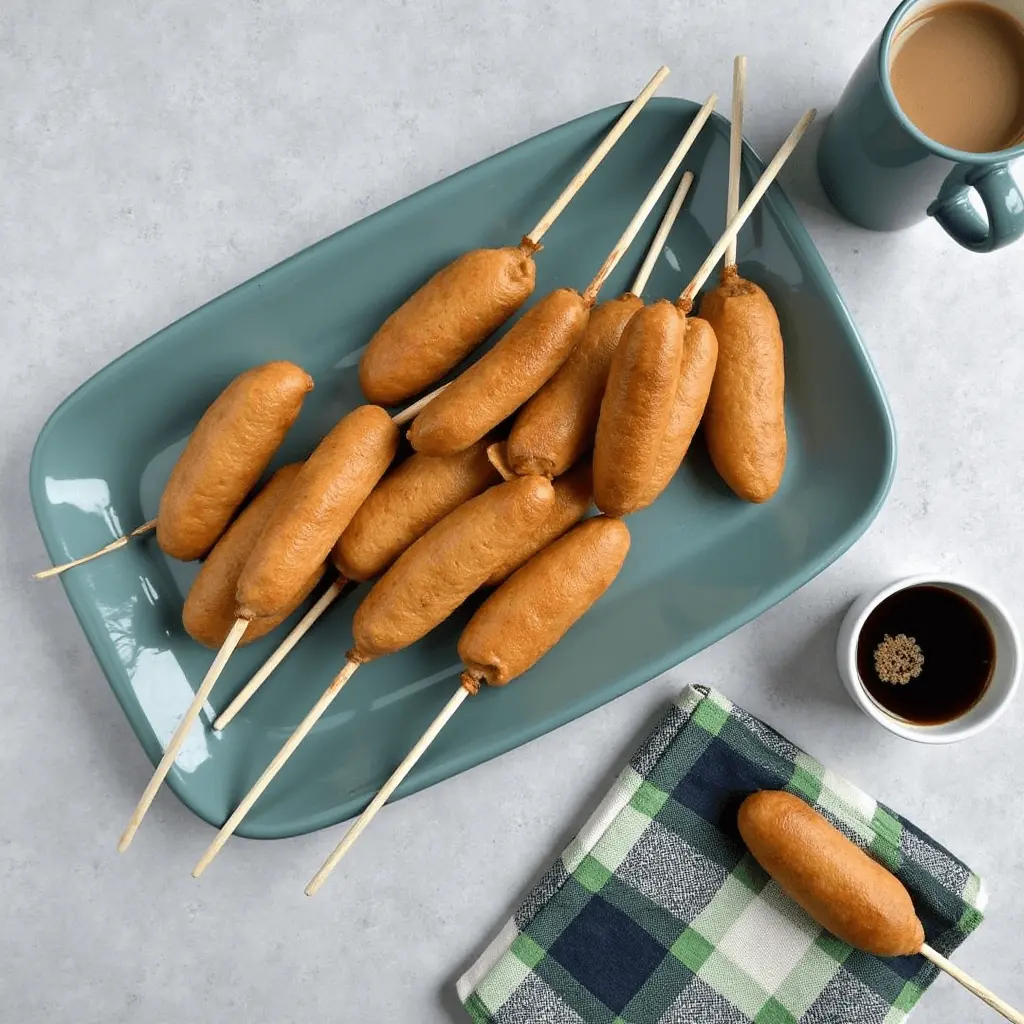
[[513, 629], [745, 422], [470, 298], [636, 407], [226, 455], [209, 611], [526, 616], [447, 564], [700, 354], [573, 493], [442, 322], [839, 885], [411, 499], [424, 586], [503, 378], [632, 437], [556, 426], [329, 488], [400, 509], [538, 346]]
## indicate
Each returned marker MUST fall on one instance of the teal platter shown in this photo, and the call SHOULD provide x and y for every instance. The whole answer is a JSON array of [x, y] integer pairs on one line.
[[702, 562]]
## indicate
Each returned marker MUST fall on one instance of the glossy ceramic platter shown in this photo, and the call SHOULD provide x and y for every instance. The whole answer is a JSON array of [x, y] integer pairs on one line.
[[702, 562]]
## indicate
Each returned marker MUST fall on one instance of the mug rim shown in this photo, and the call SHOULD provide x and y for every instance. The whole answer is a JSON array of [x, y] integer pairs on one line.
[[960, 156]]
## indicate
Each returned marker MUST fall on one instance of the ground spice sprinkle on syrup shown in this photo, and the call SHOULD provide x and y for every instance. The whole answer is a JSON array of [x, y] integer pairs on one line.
[[926, 654], [898, 659]]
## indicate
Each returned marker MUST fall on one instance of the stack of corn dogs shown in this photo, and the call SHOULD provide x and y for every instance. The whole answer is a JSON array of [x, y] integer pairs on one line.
[[578, 402]]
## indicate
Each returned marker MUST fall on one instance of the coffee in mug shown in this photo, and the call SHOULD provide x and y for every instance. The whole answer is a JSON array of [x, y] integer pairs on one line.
[[957, 70]]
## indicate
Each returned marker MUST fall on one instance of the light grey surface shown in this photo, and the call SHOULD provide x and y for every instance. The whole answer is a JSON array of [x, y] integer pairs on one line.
[[153, 155]]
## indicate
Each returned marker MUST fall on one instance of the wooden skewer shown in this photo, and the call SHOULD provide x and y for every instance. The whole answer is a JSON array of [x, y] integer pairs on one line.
[[364, 819], [685, 300], [613, 136], [291, 744], [972, 986], [301, 628], [732, 202], [410, 413], [171, 753], [651, 259], [214, 673], [114, 545], [652, 197]]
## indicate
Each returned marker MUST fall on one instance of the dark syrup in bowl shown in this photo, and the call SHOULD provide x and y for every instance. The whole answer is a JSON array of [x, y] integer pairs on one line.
[[935, 639]]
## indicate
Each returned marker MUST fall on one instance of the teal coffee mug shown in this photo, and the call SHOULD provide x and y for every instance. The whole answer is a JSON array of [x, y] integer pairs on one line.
[[882, 172]]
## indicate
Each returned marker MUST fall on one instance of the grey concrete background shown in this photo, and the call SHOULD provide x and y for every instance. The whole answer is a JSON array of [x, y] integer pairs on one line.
[[153, 155]]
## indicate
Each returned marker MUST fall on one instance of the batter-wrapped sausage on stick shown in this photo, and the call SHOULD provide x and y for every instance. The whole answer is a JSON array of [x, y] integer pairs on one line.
[[854, 897], [441, 323], [209, 611], [522, 620], [228, 451], [644, 376], [636, 407], [745, 422], [415, 496], [327, 492], [535, 348], [556, 427], [298, 536], [400, 509], [423, 587], [502, 379], [558, 424], [511, 631], [700, 353], [466, 301], [300, 531], [573, 492]]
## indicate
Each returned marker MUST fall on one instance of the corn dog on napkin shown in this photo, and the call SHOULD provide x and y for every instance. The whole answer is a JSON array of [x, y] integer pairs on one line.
[[657, 914]]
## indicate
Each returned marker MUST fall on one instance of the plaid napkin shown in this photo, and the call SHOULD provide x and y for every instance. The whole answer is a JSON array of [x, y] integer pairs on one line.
[[656, 913]]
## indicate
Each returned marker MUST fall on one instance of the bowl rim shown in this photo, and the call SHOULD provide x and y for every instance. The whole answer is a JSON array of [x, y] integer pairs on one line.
[[946, 732]]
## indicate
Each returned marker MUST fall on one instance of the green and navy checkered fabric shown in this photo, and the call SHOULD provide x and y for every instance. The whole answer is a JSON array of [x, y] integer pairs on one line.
[[657, 914]]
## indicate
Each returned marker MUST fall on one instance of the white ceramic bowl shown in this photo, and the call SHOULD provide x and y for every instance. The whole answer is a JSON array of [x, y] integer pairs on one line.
[[992, 703]]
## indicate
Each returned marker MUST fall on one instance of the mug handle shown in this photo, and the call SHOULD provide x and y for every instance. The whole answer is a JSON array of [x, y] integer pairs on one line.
[[1001, 197]]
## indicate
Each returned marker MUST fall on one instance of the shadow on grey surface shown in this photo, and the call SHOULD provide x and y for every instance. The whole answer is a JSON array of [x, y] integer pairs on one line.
[[447, 997], [799, 178], [810, 673]]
